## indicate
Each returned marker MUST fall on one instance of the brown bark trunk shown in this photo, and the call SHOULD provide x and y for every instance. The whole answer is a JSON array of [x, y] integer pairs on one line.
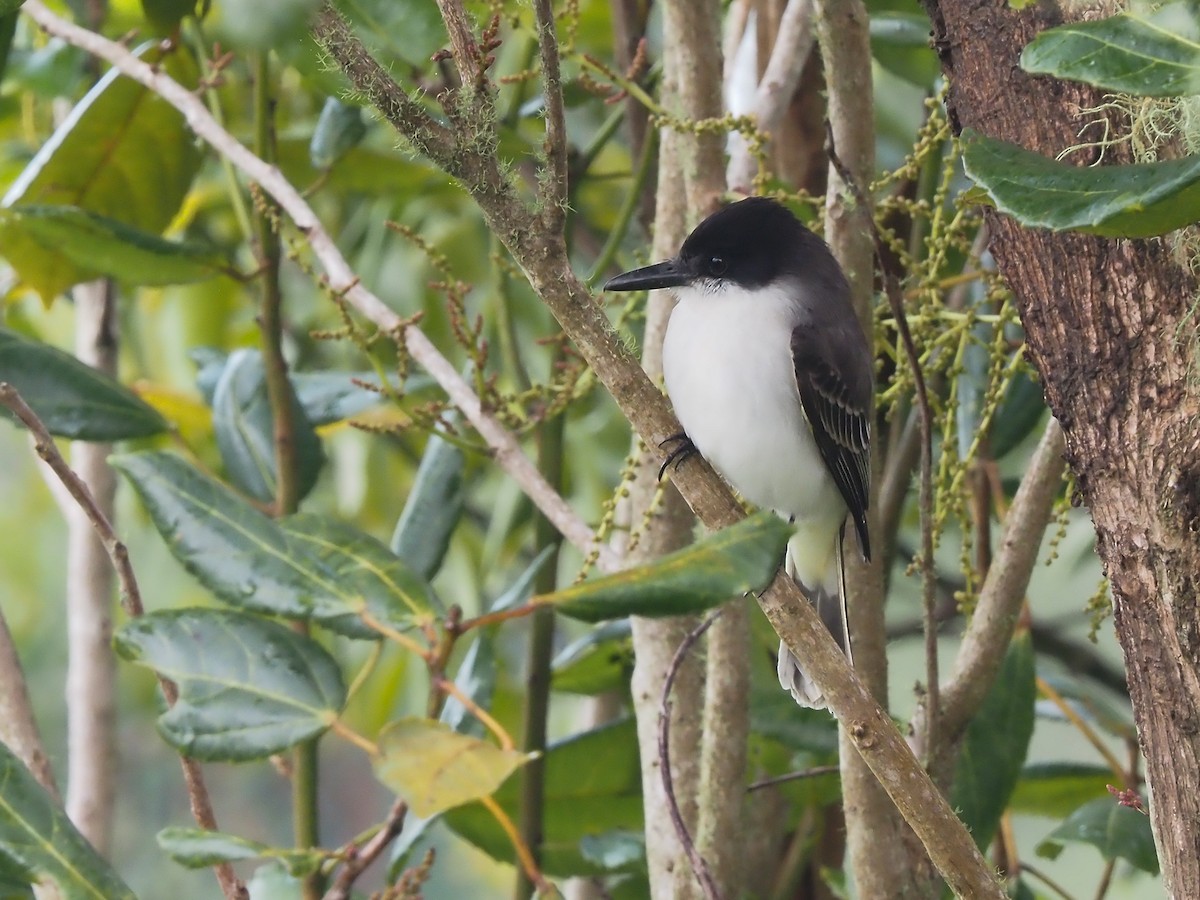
[[1108, 328]]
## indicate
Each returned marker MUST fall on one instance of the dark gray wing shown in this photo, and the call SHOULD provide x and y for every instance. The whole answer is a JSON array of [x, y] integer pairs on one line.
[[834, 377]]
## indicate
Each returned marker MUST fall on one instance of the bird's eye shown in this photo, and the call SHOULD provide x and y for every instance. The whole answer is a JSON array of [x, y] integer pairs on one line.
[[717, 266]]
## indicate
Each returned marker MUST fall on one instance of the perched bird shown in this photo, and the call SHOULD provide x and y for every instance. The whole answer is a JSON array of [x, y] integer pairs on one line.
[[771, 376]]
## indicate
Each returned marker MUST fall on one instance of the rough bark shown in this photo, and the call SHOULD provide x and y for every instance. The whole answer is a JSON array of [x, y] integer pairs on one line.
[[1107, 327]]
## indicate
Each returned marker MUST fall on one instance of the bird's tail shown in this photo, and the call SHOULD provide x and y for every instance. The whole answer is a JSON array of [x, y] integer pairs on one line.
[[828, 595]]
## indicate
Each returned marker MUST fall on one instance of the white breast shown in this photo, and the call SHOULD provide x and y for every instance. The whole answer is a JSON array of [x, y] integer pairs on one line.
[[728, 367]]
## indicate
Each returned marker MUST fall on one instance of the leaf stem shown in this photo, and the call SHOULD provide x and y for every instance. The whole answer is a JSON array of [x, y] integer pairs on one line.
[[523, 854], [342, 730], [1045, 688], [393, 635], [446, 686]]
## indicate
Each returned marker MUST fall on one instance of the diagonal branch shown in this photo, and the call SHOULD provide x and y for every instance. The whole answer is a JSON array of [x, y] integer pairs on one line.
[[544, 259], [991, 629], [504, 446]]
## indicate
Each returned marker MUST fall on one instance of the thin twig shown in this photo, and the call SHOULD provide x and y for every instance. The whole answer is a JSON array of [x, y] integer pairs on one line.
[[506, 450], [1044, 687], [553, 185], [814, 772], [358, 859], [699, 866], [925, 419], [1046, 880], [446, 686], [131, 600], [462, 40]]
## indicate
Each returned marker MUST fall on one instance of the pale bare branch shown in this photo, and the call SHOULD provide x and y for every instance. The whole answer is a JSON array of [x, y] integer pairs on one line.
[[340, 278]]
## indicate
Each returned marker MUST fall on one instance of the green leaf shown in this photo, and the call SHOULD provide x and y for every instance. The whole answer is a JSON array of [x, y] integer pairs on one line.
[[248, 686], [411, 32], [165, 15], [601, 660], [8, 29], [1118, 832], [1131, 201], [1021, 408], [197, 848], [263, 25], [123, 153], [369, 576], [231, 548], [245, 430], [70, 397], [339, 129], [1153, 54], [732, 562], [433, 508], [38, 840], [900, 42], [996, 743], [435, 768], [96, 245], [592, 788], [1054, 789]]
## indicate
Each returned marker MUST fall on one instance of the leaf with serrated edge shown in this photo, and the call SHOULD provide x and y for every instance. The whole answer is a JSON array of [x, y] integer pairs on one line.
[[1155, 54], [248, 686], [1133, 201], [389, 590], [435, 768], [245, 558], [37, 838], [71, 398], [732, 562]]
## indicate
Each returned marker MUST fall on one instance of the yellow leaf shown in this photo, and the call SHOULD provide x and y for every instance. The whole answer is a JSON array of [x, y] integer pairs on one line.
[[435, 768]]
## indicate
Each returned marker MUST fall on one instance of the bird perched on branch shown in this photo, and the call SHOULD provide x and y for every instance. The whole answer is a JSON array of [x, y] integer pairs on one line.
[[770, 375]]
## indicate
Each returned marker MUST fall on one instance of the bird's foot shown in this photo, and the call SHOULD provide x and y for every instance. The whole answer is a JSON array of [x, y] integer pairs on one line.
[[684, 448]]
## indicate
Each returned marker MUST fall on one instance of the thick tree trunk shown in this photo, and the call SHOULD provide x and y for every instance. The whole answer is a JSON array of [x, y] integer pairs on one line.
[[1108, 327]]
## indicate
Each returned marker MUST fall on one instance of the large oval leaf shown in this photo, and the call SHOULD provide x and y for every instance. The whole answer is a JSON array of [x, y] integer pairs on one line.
[[735, 560], [38, 841], [1151, 54], [123, 152], [70, 397], [1133, 201], [248, 686], [305, 569]]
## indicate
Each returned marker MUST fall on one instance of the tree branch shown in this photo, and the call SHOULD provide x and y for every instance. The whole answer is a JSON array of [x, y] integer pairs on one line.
[[544, 258], [991, 628], [506, 450], [91, 667], [776, 87], [198, 796], [18, 725], [553, 188]]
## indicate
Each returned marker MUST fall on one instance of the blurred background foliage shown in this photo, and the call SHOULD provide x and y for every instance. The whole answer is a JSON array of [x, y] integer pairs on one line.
[[190, 351]]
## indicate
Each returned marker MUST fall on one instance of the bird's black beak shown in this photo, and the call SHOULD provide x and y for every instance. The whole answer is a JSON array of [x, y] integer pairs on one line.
[[660, 275]]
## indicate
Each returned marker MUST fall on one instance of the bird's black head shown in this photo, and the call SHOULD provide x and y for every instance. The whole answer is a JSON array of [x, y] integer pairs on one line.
[[750, 243]]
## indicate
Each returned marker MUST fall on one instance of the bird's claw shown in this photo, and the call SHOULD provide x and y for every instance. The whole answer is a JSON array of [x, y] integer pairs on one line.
[[684, 449]]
